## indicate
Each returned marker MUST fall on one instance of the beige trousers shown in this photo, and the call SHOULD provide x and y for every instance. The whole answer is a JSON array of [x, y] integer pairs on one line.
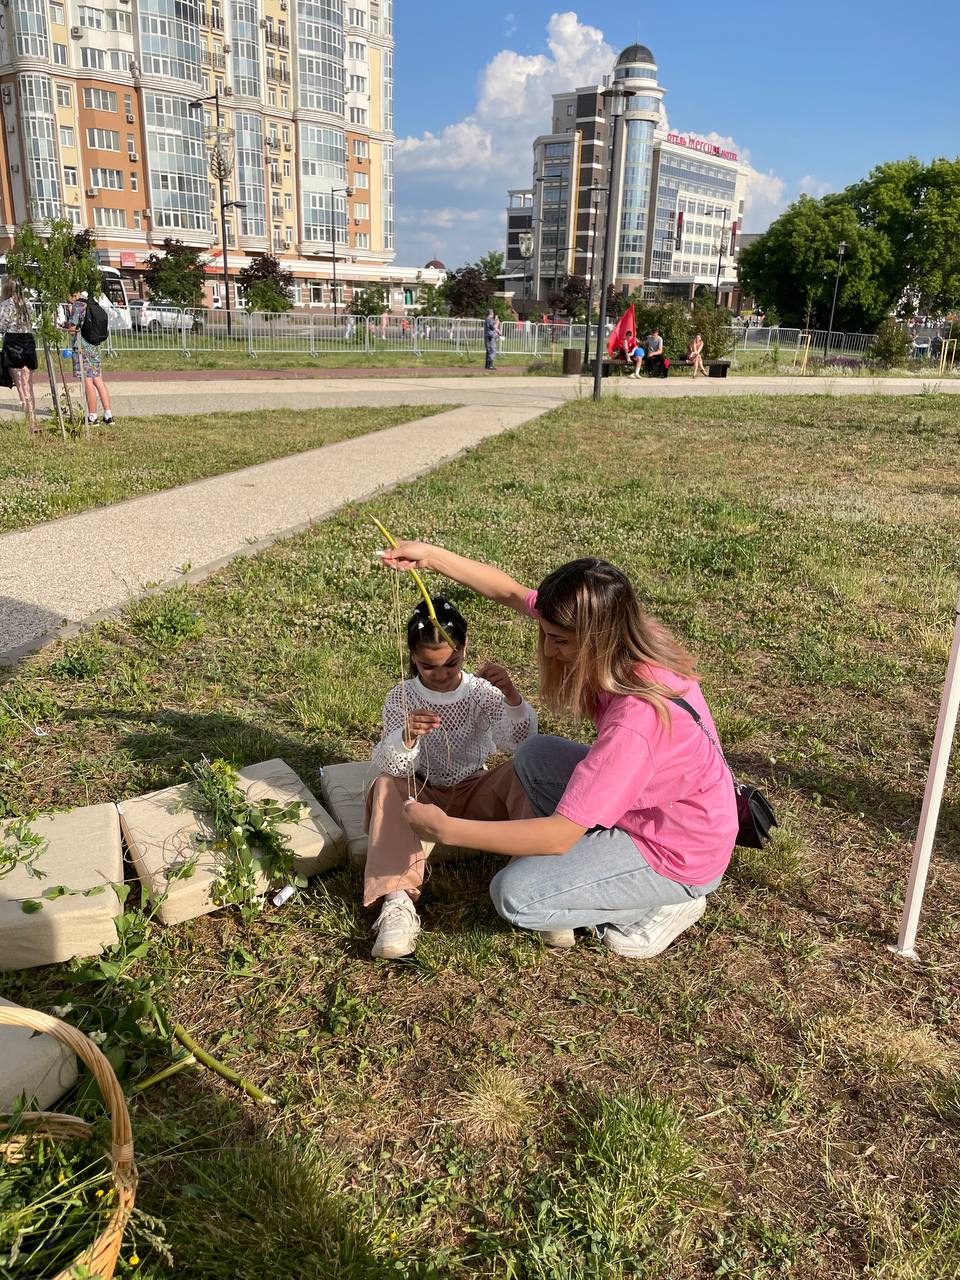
[[395, 855]]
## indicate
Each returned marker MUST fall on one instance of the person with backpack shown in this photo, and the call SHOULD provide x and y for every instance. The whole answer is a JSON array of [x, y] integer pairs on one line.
[[88, 323]]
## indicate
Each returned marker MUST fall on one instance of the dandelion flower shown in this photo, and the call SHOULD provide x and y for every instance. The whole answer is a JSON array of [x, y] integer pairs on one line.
[[134, 1260], [100, 1192]]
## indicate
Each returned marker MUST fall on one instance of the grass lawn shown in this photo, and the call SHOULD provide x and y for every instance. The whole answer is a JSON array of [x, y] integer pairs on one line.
[[143, 455], [238, 358], [776, 1096]]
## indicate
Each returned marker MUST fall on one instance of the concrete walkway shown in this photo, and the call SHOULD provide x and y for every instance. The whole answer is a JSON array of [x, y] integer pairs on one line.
[[55, 576]]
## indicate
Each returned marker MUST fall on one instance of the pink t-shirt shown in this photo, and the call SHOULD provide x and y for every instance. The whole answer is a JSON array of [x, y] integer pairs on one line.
[[668, 789]]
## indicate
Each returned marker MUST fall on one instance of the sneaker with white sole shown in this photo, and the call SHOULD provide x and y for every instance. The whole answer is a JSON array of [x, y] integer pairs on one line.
[[559, 938], [653, 932], [396, 927]]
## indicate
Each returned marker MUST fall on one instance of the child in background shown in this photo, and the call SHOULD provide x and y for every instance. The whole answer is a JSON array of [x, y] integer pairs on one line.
[[439, 729]]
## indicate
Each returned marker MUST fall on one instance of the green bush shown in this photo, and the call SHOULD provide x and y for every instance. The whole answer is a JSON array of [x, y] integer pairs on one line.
[[891, 344], [713, 325]]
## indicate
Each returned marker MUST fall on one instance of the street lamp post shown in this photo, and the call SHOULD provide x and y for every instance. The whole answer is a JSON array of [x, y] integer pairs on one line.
[[221, 166], [595, 195], [721, 250], [841, 250], [616, 98], [337, 191], [525, 245]]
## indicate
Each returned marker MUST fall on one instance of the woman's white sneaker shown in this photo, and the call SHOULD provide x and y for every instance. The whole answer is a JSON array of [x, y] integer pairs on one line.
[[396, 927], [559, 938], [653, 932]]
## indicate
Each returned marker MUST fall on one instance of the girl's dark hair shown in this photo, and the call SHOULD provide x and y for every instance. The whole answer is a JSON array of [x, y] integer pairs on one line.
[[421, 629]]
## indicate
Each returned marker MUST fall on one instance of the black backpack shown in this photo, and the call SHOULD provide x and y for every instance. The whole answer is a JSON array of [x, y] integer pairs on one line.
[[95, 326]]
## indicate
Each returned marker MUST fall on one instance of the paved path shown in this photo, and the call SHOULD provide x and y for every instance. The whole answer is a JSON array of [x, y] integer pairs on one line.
[[57, 575]]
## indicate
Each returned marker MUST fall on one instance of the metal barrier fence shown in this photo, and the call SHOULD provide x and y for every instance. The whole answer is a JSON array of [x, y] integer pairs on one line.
[[194, 332], [748, 339]]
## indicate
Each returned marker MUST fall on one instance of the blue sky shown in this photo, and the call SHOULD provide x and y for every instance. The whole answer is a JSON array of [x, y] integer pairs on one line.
[[813, 95]]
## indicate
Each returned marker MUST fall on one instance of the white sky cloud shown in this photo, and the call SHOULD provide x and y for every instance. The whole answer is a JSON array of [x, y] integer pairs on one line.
[[812, 186], [471, 162]]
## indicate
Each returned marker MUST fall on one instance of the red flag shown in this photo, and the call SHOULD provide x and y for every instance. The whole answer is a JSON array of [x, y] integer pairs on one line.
[[627, 324]]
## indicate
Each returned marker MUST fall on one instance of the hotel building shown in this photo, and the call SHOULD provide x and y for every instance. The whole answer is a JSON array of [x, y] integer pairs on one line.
[[101, 122], [678, 199]]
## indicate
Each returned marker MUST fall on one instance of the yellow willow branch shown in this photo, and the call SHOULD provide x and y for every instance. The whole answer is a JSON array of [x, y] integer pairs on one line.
[[423, 590]]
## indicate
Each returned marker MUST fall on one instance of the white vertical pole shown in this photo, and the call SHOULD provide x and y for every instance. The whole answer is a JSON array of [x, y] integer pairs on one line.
[[936, 778]]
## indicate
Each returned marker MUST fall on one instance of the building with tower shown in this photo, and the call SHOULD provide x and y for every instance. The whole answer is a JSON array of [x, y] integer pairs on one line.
[[678, 198]]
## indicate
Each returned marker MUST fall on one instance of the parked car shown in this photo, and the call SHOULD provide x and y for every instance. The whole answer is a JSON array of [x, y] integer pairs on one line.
[[153, 317]]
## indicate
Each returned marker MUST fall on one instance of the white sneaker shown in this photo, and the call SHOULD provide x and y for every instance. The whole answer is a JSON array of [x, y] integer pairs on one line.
[[396, 927], [559, 938], [655, 931]]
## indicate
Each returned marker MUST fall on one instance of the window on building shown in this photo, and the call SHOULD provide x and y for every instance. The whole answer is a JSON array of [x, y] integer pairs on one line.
[[134, 184], [286, 168], [361, 180], [73, 213], [99, 100], [57, 14], [119, 60], [356, 18], [358, 84], [361, 148], [316, 292], [361, 240], [285, 133], [66, 136], [358, 115], [118, 20], [111, 179], [60, 55], [285, 100], [103, 139], [93, 59], [570, 108], [360, 209], [136, 219], [64, 97], [272, 97], [109, 217], [89, 17], [288, 202], [69, 176], [357, 50]]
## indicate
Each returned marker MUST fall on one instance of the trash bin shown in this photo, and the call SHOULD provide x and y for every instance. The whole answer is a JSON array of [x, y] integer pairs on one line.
[[572, 360], [718, 368]]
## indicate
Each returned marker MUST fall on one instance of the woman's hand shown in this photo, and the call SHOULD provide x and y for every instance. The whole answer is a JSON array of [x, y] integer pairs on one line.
[[418, 724], [426, 820], [499, 677], [409, 555]]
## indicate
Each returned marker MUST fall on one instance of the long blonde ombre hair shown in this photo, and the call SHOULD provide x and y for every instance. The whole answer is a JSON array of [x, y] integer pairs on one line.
[[615, 638]]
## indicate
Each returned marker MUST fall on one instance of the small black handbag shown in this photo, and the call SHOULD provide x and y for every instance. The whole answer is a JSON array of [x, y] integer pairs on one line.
[[754, 811]]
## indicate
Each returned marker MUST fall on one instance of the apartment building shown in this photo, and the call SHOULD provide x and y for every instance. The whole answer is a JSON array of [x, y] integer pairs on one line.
[[124, 114], [678, 198]]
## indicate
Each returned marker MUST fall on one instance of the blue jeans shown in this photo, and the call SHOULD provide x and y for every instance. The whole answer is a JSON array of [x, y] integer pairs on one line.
[[602, 879]]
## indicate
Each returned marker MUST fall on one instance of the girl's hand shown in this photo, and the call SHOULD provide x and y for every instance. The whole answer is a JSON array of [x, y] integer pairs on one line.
[[418, 724], [499, 677], [426, 820], [408, 555]]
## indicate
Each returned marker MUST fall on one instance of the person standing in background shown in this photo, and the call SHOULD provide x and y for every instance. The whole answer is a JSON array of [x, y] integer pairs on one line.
[[19, 354], [491, 335]]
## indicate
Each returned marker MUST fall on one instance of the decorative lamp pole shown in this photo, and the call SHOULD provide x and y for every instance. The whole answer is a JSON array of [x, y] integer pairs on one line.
[[842, 248], [337, 191], [616, 99], [220, 142], [722, 246], [526, 253]]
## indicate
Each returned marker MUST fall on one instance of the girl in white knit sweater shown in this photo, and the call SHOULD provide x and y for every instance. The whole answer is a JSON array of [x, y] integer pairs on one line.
[[439, 729]]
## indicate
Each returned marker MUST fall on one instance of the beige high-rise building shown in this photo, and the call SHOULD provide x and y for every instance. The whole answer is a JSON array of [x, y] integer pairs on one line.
[[101, 121]]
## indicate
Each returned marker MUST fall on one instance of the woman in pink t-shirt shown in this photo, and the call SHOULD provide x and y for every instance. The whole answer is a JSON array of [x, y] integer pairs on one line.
[[630, 834]]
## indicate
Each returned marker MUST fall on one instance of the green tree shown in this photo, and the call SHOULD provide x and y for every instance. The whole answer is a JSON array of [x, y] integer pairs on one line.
[[371, 301], [265, 284], [430, 301], [50, 266], [793, 266], [176, 276], [713, 325], [570, 299], [917, 208], [491, 264], [468, 291]]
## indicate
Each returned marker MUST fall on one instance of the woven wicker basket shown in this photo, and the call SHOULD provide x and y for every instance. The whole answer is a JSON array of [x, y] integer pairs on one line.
[[99, 1258]]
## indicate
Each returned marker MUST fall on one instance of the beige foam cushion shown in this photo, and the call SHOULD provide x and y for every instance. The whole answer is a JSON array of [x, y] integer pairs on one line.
[[344, 789], [83, 851], [162, 834], [38, 1067]]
